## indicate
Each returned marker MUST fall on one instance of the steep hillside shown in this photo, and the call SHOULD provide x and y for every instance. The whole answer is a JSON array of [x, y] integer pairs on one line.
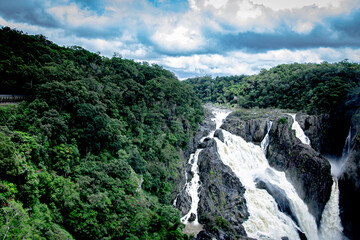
[[94, 151]]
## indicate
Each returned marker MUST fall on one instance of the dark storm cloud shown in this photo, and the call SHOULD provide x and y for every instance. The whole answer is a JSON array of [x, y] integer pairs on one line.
[[320, 36], [349, 26], [28, 11]]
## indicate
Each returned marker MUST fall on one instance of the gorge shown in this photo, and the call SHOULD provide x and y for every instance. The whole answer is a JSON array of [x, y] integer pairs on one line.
[[270, 204]]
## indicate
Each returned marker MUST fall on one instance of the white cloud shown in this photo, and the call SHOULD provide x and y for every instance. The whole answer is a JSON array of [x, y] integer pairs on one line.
[[216, 3], [180, 38], [247, 10], [74, 16], [291, 4], [238, 62], [303, 27], [267, 16]]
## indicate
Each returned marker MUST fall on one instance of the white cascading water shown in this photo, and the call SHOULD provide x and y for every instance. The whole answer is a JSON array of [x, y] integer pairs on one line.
[[265, 142], [330, 224], [192, 187], [331, 227], [298, 130], [266, 221]]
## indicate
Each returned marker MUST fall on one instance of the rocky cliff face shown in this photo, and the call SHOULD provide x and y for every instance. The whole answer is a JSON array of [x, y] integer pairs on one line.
[[349, 185], [222, 207], [250, 124], [304, 167], [326, 133]]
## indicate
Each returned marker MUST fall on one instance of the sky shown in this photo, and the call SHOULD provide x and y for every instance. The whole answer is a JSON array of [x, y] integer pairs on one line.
[[198, 37]]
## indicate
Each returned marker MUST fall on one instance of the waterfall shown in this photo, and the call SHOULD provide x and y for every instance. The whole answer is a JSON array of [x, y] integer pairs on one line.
[[346, 148], [192, 226], [265, 142], [192, 187], [337, 164], [331, 227], [266, 221], [298, 130]]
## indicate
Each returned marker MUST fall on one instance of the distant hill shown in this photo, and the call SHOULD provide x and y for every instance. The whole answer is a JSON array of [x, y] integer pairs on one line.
[[315, 88]]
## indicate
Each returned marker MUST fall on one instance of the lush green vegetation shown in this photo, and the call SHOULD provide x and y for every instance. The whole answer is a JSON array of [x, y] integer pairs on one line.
[[315, 88], [93, 152]]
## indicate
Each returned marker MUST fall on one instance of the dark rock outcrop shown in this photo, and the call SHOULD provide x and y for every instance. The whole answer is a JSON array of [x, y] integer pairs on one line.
[[222, 207], [203, 235], [280, 197], [192, 217], [250, 124], [219, 134], [308, 171], [349, 185], [253, 130], [326, 132], [314, 127]]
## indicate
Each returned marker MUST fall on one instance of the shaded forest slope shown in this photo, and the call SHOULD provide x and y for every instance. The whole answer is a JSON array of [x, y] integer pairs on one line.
[[94, 151]]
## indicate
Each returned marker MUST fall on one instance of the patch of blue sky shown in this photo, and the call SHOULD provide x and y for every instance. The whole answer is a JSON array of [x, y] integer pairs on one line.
[[97, 6], [171, 5]]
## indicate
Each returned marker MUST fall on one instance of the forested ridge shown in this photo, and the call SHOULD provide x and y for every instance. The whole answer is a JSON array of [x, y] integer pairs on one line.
[[93, 152], [314, 88]]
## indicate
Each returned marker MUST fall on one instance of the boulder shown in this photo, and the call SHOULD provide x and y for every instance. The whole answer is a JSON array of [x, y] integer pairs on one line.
[[219, 134], [192, 217], [280, 197], [326, 132]]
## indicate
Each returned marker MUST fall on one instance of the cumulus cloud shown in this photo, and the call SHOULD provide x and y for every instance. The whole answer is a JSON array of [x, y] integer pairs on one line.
[[197, 37], [238, 62]]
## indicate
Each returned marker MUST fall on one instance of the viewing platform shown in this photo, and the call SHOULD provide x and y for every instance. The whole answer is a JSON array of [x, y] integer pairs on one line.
[[11, 98]]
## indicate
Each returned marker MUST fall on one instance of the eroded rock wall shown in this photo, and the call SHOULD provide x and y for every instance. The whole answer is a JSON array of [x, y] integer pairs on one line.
[[222, 207]]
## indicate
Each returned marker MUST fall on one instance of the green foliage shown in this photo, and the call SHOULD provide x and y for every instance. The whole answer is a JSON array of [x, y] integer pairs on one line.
[[315, 88], [5, 113], [92, 153], [7, 192], [9, 163], [283, 120]]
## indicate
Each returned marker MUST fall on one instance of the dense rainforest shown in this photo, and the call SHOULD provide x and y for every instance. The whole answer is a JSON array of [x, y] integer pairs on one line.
[[314, 88], [93, 151]]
